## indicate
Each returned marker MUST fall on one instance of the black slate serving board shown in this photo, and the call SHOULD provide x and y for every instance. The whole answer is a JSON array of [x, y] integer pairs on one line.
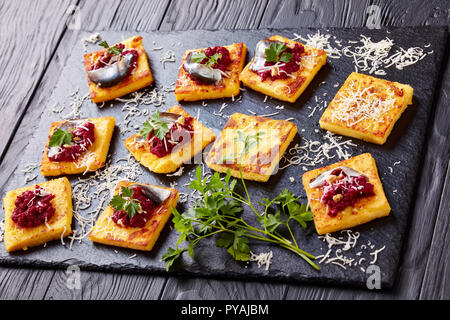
[[405, 145]]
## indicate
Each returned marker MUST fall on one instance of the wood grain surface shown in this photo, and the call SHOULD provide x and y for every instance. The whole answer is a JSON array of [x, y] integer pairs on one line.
[[40, 28]]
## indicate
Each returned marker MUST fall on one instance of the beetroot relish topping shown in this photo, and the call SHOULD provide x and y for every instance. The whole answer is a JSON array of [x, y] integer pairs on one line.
[[106, 57], [222, 64], [33, 208], [139, 220], [82, 138], [345, 191], [173, 137], [286, 68]]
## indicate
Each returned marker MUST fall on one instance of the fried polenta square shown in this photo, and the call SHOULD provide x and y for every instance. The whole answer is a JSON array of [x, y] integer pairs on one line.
[[291, 88], [94, 157], [188, 89], [366, 108], [202, 137], [140, 77], [59, 225], [106, 231], [362, 211], [252, 145]]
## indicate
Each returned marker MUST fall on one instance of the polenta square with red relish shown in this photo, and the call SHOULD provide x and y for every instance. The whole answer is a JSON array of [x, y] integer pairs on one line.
[[282, 68], [77, 146], [135, 216], [345, 194], [210, 73], [366, 108], [117, 70], [37, 214]]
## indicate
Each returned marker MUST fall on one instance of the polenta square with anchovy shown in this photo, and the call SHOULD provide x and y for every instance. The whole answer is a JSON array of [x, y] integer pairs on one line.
[[345, 194], [251, 145], [37, 214], [117, 70], [366, 108], [77, 146], [282, 68], [135, 216], [169, 139], [210, 73]]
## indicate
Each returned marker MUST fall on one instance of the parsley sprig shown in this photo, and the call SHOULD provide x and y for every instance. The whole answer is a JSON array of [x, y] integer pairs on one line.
[[60, 137], [124, 202], [275, 53], [218, 213], [198, 57], [114, 49], [159, 127], [249, 141]]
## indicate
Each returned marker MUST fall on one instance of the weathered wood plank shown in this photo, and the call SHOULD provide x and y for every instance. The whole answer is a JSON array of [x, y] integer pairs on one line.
[[437, 274], [217, 14], [24, 284], [25, 55]]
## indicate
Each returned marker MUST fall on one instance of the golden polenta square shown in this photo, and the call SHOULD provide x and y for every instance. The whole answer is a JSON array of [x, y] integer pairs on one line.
[[140, 77], [140, 149], [189, 89], [292, 87], [363, 210], [92, 159], [251, 144], [106, 231], [59, 225], [366, 108]]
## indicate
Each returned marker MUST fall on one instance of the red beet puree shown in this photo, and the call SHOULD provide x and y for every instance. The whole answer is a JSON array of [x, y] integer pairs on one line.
[[82, 138], [107, 56], [173, 137], [139, 220], [222, 64], [286, 68], [345, 191], [33, 208]]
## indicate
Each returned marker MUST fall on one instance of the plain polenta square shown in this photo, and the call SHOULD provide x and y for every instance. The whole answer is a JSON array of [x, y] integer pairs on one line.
[[364, 210], [366, 108], [140, 77], [291, 88], [95, 156], [188, 89], [106, 231], [201, 138], [57, 227], [252, 145]]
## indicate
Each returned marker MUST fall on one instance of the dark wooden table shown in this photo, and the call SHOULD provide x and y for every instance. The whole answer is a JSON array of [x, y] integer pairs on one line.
[[36, 38]]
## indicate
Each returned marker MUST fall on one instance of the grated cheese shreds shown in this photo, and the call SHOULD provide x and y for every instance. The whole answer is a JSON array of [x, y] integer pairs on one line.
[[313, 152], [263, 259], [168, 56], [320, 41], [340, 251], [356, 104]]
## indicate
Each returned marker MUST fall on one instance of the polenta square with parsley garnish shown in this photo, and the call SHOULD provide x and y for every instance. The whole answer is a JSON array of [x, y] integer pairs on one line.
[[210, 73], [251, 145], [366, 108], [135, 216], [282, 68], [169, 139], [77, 146]]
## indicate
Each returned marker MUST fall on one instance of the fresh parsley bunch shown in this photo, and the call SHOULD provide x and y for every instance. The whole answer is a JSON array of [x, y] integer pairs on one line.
[[275, 53], [218, 213], [155, 123]]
